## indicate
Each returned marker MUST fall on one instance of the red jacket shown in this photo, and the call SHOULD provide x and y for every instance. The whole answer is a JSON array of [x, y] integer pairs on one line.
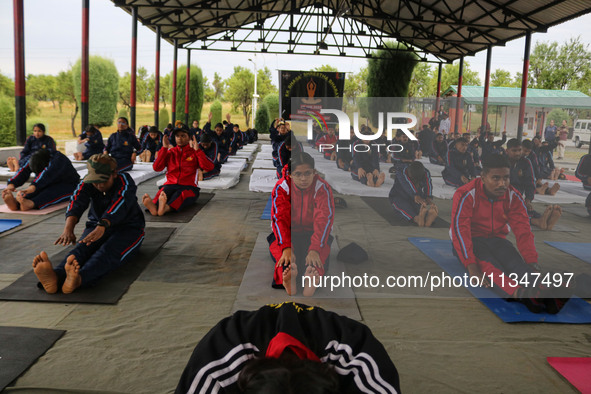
[[313, 210], [474, 214], [327, 139], [181, 164]]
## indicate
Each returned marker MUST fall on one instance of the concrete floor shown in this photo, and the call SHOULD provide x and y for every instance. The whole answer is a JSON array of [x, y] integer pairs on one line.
[[140, 345]]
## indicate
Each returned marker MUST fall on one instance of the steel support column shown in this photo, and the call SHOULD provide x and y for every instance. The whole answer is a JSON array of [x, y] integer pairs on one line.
[[486, 87], [524, 86], [132, 94], [437, 100], [457, 121], [174, 62], [84, 64], [19, 72], [187, 90], [157, 78]]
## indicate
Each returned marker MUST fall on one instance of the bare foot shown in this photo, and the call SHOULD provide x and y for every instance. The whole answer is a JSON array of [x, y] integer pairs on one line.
[[556, 214], [554, 189], [78, 156], [542, 222], [44, 270], [432, 213], [310, 289], [381, 179], [289, 279], [9, 200], [73, 278], [370, 182], [12, 164], [420, 218], [162, 199], [25, 203], [148, 203], [542, 189]]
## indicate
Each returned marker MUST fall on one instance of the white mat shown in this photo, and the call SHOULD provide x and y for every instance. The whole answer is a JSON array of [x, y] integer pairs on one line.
[[225, 180], [249, 148], [263, 163], [236, 162], [434, 169], [262, 180], [245, 154], [267, 148]]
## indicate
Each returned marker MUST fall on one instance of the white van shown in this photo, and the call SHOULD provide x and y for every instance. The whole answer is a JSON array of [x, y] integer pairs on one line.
[[582, 132]]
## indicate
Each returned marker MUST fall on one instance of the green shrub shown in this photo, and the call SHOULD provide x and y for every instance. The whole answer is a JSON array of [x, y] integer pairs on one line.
[[272, 102], [196, 91], [123, 113], [7, 122], [216, 111], [163, 119], [262, 120]]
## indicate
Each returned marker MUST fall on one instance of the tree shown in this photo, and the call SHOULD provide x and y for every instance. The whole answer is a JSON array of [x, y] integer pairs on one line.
[[164, 88], [42, 87], [326, 68], [216, 112], [163, 119], [420, 81], [218, 86], [449, 76], [124, 90], [6, 86], [389, 74], [262, 120], [143, 92], [102, 89], [501, 77], [240, 88], [7, 121], [208, 93], [271, 101], [66, 94], [195, 92]]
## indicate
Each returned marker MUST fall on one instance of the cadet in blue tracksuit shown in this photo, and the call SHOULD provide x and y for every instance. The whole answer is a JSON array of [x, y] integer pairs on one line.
[[210, 148], [93, 141], [221, 137], [523, 179], [438, 150], [237, 139], [473, 150], [121, 146], [55, 181], [460, 168], [426, 137], [544, 152], [583, 171], [113, 234], [408, 153], [278, 133], [366, 164], [151, 144], [412, 195], [39, 140], [489, 146], [541, 187]]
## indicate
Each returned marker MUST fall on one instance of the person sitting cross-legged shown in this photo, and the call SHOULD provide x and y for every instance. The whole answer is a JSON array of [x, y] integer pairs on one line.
[[113, 234], [459, 168], [484, 211]]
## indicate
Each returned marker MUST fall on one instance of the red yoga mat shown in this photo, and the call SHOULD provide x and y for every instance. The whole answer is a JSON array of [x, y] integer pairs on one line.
[[577, 370]]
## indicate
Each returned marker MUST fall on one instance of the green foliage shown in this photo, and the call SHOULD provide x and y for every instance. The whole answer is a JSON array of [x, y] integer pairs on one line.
[[163, 119], [33, 121], [123, 113], [558, 115], [7, 121], [102, 89], [501, 77], [356, 84], [6, 86], [196, 92], [208, 93], [566, 66], [42, 87], [164, 88], [272, 102], [389, 74], [31, 106], [420, 81], [216, 113], [65, 88], [240, 88], [218, 86], [326, 68], [262, 119]]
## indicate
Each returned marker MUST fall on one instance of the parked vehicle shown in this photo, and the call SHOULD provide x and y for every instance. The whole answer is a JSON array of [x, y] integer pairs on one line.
[[582, 132]]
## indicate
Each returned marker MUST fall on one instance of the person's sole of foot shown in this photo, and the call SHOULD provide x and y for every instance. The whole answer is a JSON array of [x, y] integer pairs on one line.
[[554, 189], [162, 199], [554, 216], [543, 220], [149, 204], [310, 289], [370, 180], [381, 179], [73, 278], [431, 215], [24, 204], [420, 218], [542, 189], [43, 269], [289, 279], [11, 202]]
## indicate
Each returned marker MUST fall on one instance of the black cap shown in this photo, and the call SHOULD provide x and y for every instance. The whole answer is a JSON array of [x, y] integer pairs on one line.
[[352, 253]]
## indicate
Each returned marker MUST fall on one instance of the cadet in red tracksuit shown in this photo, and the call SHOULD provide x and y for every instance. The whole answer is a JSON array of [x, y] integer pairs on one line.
[[327, 143], [289, 348], [483, 212], [181, 163], [306, 234]]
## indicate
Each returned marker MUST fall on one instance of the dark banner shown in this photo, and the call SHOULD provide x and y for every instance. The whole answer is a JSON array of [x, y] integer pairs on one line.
[[309, 87]]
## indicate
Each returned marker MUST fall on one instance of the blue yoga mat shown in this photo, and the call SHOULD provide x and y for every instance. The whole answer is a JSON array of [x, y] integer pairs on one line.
[[576, 310], [267, 211], [579, 250], [8, 224]]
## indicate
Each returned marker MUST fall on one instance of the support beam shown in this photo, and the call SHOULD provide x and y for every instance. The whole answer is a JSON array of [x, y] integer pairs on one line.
[[486, 87], [157, 78], [459, 105], [84, 63], [174, 66], [19, 72], [524, 78], [438, 88], [187, 86], [132, 95]]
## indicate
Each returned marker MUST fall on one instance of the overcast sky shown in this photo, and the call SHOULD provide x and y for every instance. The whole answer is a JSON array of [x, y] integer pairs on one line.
[[53, 42]]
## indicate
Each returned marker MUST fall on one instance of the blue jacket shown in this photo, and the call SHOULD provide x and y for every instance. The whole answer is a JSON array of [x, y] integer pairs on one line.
[[523, 178], [59, 170], [33, 144], [212, 155], [405, 188], [121, 145], [459, 164], [118, 205], [152, 145], [365, 160], [94, 145], [489, 148]]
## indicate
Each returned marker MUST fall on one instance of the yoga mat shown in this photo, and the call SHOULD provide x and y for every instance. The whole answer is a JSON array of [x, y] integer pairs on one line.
[[440, 251], [183, 216], [44, 211], [267, 211], [107, 291], [7, 224], [577, 370], [20, 347], [384, 208], [582, 251], [255, 289], [579, 211], [263, 163], [262, 181]]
